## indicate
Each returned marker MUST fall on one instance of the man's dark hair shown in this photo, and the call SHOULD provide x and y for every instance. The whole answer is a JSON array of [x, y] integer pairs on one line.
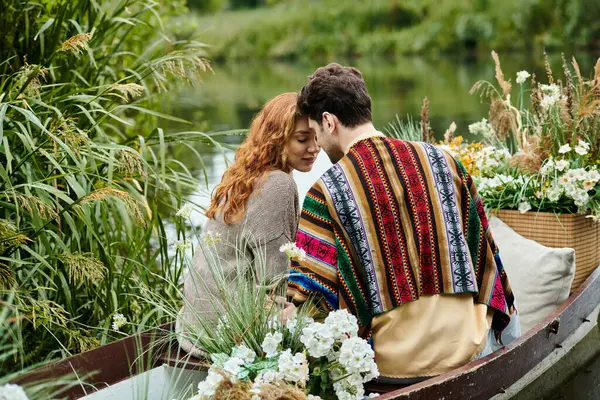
[[338, 90]]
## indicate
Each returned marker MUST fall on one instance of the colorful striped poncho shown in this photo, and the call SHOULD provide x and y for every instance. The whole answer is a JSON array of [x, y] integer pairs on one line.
[[391, 222]]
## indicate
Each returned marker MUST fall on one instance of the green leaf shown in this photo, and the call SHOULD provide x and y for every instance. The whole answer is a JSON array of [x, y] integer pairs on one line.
[[152, 112], [161, 137], [219, 359], [3, 109], [44, 27]]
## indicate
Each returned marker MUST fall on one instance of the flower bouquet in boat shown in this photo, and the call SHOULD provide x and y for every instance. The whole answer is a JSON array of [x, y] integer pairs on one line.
[[251, 353], [302, 359], [538, 168]]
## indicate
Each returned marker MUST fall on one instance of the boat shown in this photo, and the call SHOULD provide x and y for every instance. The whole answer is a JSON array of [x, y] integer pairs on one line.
[[539, 360]]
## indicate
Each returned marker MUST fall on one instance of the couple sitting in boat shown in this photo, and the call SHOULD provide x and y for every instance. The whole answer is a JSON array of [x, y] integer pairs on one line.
[[395, 231]]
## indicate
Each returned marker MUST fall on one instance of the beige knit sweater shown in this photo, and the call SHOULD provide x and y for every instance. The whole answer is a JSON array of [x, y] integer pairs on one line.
[[271, 219]]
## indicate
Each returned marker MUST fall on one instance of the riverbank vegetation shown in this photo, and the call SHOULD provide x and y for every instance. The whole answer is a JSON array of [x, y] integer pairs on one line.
[[308, 29], [89, 181]]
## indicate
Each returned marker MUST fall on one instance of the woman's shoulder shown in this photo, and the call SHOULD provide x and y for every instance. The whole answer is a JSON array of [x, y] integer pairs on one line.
[[277, 180], [275, 189]]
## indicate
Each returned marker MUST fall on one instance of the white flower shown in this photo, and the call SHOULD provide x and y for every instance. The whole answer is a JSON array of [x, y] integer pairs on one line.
[[292, 324], [483, 128], [293, 252], [11, 391], [589, 185], [564, 149], [522, 77], [342, 324], [293, 368], [551, 96], [245, 353], [582, 148], [524, 206], [318, 339], [554, 193], [577, 174], [551, 90], [593, 175], [271, 343], [233, 365], [183, 245], [350, 387], [118, 321], [185, 210], [561, 165], [207, 387], [372, 374], [210, 239], [265, 377], [490, 158], [548, 167], [547, 102], [356, 355], [373, 395], [313, 397]]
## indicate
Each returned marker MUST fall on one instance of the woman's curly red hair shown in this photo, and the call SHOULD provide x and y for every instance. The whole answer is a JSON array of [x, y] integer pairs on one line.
[[263, 150]]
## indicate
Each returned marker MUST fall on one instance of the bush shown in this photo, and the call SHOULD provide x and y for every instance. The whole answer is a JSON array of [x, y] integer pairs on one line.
[[88, 180]]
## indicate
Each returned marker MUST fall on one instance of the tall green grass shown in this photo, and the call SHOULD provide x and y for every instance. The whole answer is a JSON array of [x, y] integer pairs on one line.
[[88, 180]]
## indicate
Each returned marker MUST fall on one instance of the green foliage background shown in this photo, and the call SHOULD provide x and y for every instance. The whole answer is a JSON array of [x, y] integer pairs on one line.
[[307, 29]]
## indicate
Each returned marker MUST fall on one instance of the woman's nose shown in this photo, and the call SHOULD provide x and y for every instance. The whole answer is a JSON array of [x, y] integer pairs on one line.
[[314, 147]]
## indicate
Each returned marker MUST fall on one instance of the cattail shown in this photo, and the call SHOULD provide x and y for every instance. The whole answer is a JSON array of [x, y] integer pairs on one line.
[[506, 87], [76, 44]]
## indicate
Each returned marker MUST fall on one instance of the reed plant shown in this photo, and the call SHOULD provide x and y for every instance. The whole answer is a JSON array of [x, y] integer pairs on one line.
[[89, 182]]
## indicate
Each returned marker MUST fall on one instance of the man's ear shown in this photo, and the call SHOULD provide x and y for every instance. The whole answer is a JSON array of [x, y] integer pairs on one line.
[[330, 122]]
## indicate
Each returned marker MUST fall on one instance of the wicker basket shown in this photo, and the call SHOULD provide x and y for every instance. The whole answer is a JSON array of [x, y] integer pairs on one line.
[[567, 230]]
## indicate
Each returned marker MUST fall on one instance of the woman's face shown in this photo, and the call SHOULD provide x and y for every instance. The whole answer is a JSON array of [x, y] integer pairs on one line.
[[302, 149]]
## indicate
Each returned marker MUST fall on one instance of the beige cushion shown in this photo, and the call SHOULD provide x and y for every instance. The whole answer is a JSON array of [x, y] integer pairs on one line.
[[540, 276]]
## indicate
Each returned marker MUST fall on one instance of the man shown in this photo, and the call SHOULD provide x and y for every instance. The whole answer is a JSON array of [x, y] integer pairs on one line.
[[396, 233]]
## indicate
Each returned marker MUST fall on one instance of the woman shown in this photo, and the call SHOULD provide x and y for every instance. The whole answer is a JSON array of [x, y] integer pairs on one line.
[[254, 210]]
